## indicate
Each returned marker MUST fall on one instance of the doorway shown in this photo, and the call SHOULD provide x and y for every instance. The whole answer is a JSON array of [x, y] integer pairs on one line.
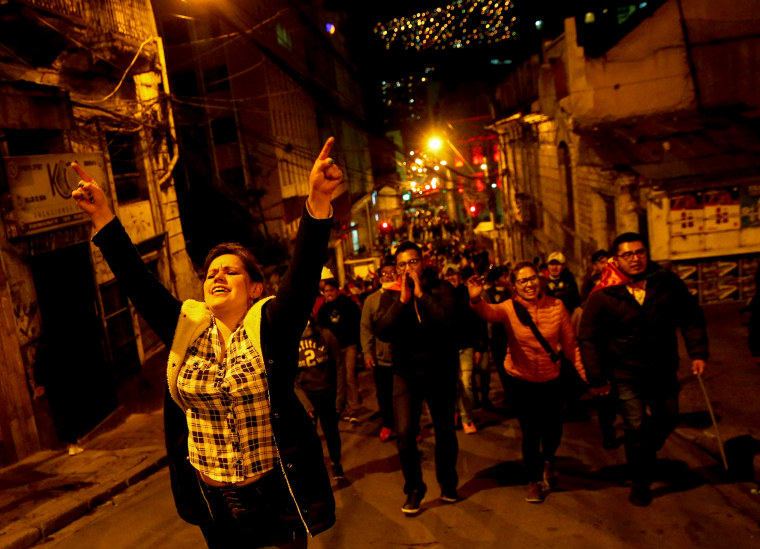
[[80, 381]]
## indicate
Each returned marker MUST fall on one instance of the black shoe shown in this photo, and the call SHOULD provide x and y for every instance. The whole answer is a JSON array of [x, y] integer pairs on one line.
[[449, 496], [337, 471], [641, 495], [413, 501]]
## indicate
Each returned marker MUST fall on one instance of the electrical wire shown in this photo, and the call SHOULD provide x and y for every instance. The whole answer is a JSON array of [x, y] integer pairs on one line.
[[123, 76]]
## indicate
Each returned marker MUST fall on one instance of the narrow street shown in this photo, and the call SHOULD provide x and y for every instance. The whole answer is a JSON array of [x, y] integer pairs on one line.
[[692, 508]]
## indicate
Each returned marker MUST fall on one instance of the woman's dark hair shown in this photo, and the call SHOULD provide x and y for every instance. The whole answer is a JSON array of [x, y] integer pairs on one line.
[[249, 261], [521, 265]]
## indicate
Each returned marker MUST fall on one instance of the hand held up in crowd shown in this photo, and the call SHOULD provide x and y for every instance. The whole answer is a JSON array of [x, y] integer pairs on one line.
[[324, 179], [475, 288], [91, 199], [417, 284], [406, 291]]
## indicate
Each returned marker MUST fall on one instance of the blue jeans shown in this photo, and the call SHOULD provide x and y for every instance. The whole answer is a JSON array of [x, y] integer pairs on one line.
[[324, 411], [438, 389], [262, 514], [646, 434], [384, 384], [347, 398], [465, 395]]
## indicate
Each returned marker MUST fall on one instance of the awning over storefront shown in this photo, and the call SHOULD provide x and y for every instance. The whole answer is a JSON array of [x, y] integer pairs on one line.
[[677, 148]]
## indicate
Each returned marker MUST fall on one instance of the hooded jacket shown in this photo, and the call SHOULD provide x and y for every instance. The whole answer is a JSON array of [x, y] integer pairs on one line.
[[275, 325]]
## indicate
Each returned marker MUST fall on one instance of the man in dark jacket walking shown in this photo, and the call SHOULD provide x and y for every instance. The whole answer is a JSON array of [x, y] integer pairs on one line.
[[628, 342], [561, 282], [417, 321], [341, 315]]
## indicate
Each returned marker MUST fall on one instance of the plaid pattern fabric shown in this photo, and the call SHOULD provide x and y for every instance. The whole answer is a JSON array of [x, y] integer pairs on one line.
[[231, 435]]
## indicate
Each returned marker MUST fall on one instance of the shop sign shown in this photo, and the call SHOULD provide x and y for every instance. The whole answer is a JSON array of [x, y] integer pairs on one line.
[[40, 188], [750, 206]]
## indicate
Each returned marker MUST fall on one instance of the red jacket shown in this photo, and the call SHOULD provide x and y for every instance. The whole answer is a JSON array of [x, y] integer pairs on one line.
[[526, 358]]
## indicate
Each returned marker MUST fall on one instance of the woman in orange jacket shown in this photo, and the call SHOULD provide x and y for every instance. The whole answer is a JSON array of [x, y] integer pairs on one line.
[[535, 388]]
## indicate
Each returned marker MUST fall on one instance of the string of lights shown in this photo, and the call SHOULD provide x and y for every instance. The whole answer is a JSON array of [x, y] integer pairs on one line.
[[459, 24]]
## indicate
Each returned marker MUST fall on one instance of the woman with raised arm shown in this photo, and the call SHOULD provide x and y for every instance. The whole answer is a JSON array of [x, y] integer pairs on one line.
[[533, 385], [245, 460]]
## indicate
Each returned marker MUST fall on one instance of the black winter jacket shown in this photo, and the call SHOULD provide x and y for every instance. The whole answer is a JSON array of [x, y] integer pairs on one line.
[[565, 289], [423, 341], [341, 317], [621, 339], [283, 321]]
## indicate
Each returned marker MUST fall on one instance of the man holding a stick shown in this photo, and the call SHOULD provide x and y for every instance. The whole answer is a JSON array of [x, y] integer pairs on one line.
[[628, 343]]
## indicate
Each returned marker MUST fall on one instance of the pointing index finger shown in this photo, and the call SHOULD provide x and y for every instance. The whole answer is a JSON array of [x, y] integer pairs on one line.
[[326, 149], [83, 174]]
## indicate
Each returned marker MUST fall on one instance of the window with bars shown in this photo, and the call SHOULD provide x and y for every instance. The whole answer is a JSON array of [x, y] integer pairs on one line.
[[129, 181]]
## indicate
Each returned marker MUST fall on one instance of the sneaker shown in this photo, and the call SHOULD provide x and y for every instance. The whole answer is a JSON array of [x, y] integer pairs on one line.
[[449, 496], [337, 471], [551, 476], [75, 449], [641, 495], [385, 434], [413, 501], [534, 493], [469, 428]]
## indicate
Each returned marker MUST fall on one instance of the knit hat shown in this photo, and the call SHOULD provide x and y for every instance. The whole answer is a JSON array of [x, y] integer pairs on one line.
[[559, 257]]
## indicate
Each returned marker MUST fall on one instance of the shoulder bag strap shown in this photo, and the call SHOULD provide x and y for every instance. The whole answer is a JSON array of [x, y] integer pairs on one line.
[[524, 316]]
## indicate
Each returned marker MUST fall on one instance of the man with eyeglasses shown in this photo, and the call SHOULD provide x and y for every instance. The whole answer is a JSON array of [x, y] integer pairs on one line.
[[417, 320], [629, 345], [377, 353]]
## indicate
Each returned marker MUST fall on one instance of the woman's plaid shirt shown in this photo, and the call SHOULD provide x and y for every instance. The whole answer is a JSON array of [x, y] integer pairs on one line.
[[227, 407]]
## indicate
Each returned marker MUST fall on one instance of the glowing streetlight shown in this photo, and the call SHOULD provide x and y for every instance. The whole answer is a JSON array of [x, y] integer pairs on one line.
[[435, 143], [484, 167]]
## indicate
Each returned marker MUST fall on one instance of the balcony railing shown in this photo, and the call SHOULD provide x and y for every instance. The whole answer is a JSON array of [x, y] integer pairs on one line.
[[132, 18]]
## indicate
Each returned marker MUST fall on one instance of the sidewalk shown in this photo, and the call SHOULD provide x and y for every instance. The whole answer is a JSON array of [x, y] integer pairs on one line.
[[49, 490]]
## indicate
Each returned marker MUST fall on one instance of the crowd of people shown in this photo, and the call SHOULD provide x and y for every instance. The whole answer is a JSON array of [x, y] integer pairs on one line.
[[443, 318], [250, 376]]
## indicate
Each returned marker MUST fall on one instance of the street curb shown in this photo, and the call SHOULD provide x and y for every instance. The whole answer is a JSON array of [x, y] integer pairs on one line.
[[56, 514]]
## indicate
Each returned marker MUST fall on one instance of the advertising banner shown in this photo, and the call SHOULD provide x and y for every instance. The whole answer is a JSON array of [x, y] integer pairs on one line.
[[40, 188]]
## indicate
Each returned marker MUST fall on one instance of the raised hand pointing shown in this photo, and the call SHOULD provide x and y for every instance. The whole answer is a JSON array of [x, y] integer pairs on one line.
[[90, 198]]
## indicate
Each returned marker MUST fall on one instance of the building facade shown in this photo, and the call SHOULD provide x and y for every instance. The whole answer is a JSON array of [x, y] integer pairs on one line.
[[652, 131], [80, 81], [258, 88]]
